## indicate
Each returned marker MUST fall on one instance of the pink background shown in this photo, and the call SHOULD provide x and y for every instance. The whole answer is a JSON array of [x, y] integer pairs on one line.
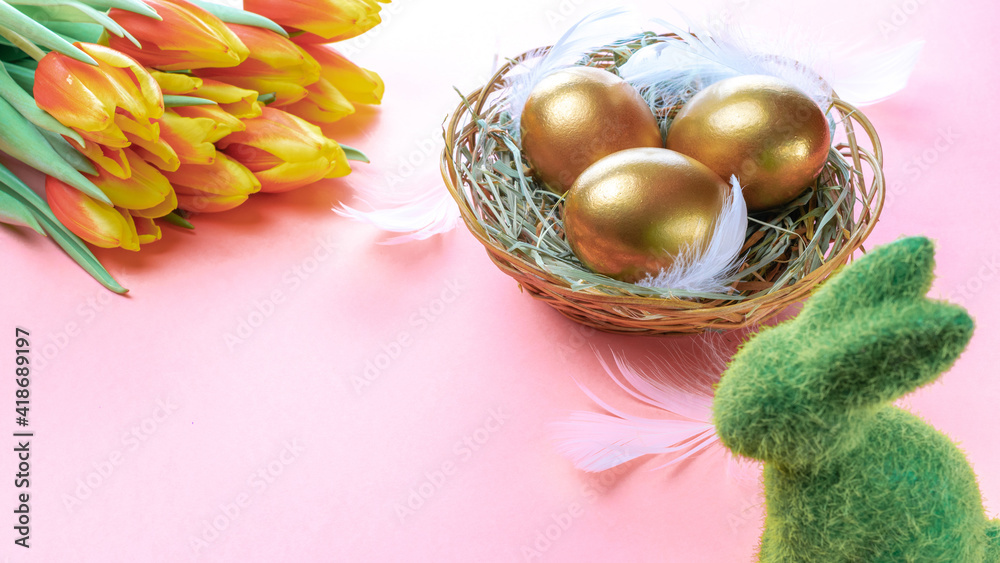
[[149, 391]]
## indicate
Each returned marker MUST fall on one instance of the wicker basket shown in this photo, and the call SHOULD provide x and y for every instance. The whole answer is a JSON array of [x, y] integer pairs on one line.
[[614, 310]]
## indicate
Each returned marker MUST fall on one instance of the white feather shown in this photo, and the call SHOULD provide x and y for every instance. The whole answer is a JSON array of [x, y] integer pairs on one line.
[[596, 442], [593, 31], [708, 269], [422, 215], [866, 76], [670, 72]]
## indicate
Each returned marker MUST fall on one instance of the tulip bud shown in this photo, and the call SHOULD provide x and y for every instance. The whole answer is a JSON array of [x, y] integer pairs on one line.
[[285, 152], [358, 85], [97, 101], [275, 65], [188, 37], [334, 20], [96, 222], [219, 186]]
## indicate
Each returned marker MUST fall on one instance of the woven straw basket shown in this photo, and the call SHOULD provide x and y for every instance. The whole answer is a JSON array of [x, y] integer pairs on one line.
[[613, 309]]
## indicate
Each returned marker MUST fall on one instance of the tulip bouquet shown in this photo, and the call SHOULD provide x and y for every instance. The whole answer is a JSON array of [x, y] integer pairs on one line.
[[141, 111]]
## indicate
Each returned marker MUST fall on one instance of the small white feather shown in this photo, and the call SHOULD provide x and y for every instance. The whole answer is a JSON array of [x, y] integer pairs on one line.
[[597, 441], [592, 32], [866, 76], [421, 215], [708, 269]]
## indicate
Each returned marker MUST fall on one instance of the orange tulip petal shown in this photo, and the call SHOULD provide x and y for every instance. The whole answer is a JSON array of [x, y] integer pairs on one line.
[[188, 137], [188, 37], [77, 96], [95, 222], [327, 18]]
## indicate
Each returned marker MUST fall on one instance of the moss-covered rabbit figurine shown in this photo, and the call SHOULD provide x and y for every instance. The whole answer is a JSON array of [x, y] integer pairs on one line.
[[847, 475]]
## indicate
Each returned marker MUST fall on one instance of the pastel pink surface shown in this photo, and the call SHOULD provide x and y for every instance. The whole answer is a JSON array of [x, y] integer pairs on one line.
[[220, 402]]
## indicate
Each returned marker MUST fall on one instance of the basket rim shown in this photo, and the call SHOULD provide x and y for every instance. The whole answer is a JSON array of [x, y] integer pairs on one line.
[[873, 200]]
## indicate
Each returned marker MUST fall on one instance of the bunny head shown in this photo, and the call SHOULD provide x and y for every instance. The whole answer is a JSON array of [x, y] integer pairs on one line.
[[803, 393]]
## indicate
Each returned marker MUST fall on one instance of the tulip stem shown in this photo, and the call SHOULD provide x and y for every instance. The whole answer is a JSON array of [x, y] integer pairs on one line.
[[267, 98], [173, 101], [21, 43]]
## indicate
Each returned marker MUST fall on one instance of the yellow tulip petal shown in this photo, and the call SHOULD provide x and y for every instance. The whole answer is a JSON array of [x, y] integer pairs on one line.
[[169, 204], [176, 84], [223, 177], [147, 230], [112, 160], [224, 122], [146, 187], [323, 104]]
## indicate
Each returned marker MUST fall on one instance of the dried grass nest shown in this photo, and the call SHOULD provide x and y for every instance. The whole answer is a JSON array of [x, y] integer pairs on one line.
[[789, 251]]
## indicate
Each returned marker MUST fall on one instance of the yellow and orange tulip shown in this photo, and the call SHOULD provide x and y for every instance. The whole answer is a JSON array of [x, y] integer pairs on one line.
[[333, 20], [98, 101], [239, 102], [358, 85], [96, 222], [275, 65], [323, 104], [145, 187], [285, 152], [188, 37], [219, 186]]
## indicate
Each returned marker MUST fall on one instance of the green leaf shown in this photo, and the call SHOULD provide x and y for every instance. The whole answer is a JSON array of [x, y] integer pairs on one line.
[[76, 12], [69, 242], [86, 32], [267, 98], [69, 153], [20, 139], [174, 219], [354, 154], [14, 212], [229, 14], [136, 6], [24, 77], [25, 105], [37, 33], [172, 101]]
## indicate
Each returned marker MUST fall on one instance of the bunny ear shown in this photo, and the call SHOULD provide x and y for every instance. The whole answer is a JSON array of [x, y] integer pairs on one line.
[[894, 350], [900, 271]]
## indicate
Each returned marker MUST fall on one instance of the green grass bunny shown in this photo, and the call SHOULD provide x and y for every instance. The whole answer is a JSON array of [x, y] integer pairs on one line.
[[847, 475]]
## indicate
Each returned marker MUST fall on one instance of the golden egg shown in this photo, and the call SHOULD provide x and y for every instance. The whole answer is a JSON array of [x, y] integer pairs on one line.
[[768, 133], [632, 212], [575, 117]]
